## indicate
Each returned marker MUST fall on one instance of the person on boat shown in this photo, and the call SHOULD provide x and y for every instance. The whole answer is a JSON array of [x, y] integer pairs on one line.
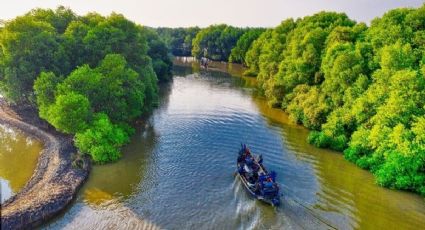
[[255, 167], [247, 151], [249, 161], [241, 170], [243, 154], [269, 189], [249, 158]]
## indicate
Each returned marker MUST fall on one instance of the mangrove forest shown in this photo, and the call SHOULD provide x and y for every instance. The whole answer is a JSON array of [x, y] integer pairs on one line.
[[316, 122]]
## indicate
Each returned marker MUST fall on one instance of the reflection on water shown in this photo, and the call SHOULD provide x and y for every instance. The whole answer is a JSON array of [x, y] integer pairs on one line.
[[18, 158], [177, 173]]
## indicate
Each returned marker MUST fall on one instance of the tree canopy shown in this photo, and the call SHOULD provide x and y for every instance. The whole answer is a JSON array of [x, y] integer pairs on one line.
[[216, 42], [243, 44], [178, 40], [87, 75], [360, 89]]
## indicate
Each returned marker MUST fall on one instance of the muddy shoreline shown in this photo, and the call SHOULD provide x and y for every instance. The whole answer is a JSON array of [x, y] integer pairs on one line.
[[56, 180]]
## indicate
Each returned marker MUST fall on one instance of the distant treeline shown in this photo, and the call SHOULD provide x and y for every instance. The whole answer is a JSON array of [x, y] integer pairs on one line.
[[178, 40], [88, 75], [360, 89], [216, 42]]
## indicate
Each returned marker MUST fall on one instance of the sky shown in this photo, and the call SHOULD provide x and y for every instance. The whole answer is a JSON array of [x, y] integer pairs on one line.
[[184, 13]]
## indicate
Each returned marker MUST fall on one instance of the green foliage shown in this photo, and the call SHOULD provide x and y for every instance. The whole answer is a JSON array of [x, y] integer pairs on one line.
[[252, 56], [151, 88], [59, 18], [115, 34], [58, 41], [158, 51], [178, 40], [302, 60], [319, 139], [88, 75], [102, 140], [120, 88], [308, 106], [216, 42], [70, 113], [271, 55], [238, 52], [44, 89], [29, 47], [113, 92], [360, 89]]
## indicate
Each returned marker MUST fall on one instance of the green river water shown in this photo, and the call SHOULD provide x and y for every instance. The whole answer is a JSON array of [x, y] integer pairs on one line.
[[18, 158]]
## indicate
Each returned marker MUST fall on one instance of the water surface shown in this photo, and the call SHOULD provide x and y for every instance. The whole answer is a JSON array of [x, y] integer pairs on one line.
[[177, 173], [18, 158]]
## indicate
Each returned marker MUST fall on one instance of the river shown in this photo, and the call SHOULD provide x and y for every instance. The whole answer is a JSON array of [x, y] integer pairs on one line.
[[177, 172]]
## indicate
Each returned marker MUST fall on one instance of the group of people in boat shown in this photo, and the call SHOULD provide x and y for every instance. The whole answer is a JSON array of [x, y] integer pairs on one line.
[[259, 180]]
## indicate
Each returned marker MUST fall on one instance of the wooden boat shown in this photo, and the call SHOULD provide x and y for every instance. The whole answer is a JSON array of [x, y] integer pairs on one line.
[[258, 182]]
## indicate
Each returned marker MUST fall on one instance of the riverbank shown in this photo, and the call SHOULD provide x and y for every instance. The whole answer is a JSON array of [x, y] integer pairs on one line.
[[55, 181]]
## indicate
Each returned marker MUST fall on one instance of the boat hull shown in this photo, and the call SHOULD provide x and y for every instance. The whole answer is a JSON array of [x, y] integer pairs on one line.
[[251, 191]]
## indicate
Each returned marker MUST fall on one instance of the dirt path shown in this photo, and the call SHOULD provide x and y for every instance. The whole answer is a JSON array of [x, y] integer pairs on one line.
[[55, 181]]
